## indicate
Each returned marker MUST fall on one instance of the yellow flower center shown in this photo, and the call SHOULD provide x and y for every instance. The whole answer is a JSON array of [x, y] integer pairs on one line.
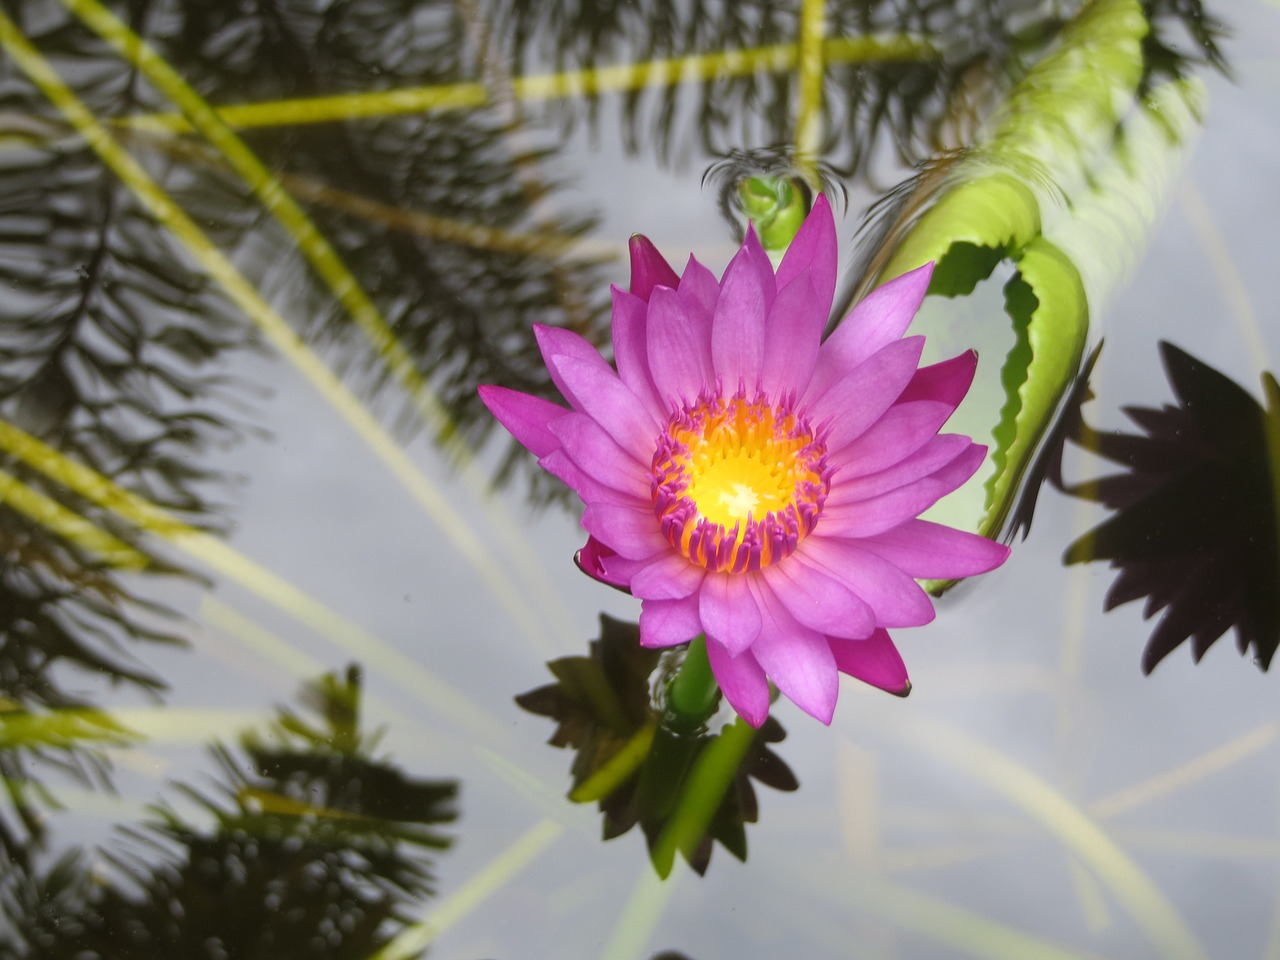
[[737, 483]]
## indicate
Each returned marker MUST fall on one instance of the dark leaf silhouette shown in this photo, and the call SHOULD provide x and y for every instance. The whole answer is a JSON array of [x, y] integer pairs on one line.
[[1194, 522]]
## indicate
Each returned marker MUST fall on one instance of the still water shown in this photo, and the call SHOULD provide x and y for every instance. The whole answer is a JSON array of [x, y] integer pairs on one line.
[[271, 581]]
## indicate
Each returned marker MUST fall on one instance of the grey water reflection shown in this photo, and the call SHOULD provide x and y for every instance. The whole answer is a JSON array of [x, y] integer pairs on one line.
[[128, 375]]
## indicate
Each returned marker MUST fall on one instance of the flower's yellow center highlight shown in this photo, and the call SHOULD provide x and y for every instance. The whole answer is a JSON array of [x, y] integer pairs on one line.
[[738, 483]]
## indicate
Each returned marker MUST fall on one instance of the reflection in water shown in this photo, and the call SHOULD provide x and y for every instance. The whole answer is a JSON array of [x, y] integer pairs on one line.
[[904, 78], [111, 351], [1194, 522], [461, 302], [308, 845], [686, 788]]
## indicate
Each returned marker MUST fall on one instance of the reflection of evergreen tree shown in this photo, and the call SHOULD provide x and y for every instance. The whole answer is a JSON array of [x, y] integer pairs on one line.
[[911, 104], [317, 849], [107, 341]]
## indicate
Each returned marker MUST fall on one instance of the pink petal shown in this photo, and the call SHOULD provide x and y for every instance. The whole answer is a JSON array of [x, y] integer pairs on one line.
[[669, 577], [816, 600], [898, 601], [599, 455], [648, 268], [679, 349], [557, 343], [930, 458], [866, 518], [945, 382], [798, 660], [792, 334], [666, 623], [742, 681], [699, 286], [881, 318], [728, 611], [525, 416], [595, 560], [920, 548], [588, 487], [631, 348], [859, 399], [816, 251], [630, 532], [737, 330], [904, 429], [606, 399], [874, 660]]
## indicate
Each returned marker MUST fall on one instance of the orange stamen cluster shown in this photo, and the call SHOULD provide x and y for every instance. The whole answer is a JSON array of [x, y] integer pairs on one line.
[[738, 483]]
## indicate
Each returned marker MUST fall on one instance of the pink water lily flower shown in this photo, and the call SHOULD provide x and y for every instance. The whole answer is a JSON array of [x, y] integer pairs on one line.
[[752, 483]]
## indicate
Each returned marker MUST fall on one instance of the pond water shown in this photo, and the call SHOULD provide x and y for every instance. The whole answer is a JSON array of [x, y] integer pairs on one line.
[[272, 579]]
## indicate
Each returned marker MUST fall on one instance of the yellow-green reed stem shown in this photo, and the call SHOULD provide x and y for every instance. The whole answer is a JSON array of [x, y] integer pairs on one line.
[[68, 525], [704, 789], [813, 24], [571, 83]]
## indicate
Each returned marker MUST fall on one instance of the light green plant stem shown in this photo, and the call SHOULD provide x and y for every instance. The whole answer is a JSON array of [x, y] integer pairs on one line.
[[619, 767], [704, 789]]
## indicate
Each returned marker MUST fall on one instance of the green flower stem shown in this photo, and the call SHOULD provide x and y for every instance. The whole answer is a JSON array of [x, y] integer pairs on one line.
[[693, 691]]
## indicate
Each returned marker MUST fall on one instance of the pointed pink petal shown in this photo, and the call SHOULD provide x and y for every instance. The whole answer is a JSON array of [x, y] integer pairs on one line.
[[881, 318], [816, 600], [737, 330], [904, 429], [898, 601], [629, 531], [798, 660], [679, 349], [525, 417], [929, 459], [728, 610], [631, 348], [557, 343], [669, 577], [600, 456], [699, 286], [866, 518], [587, 486], [858, 400], [920, 548], [814, 249], [874, 660], [666, 623], [792, 334], [606, 399], [648, 267], [742, 681], [945, 382]]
